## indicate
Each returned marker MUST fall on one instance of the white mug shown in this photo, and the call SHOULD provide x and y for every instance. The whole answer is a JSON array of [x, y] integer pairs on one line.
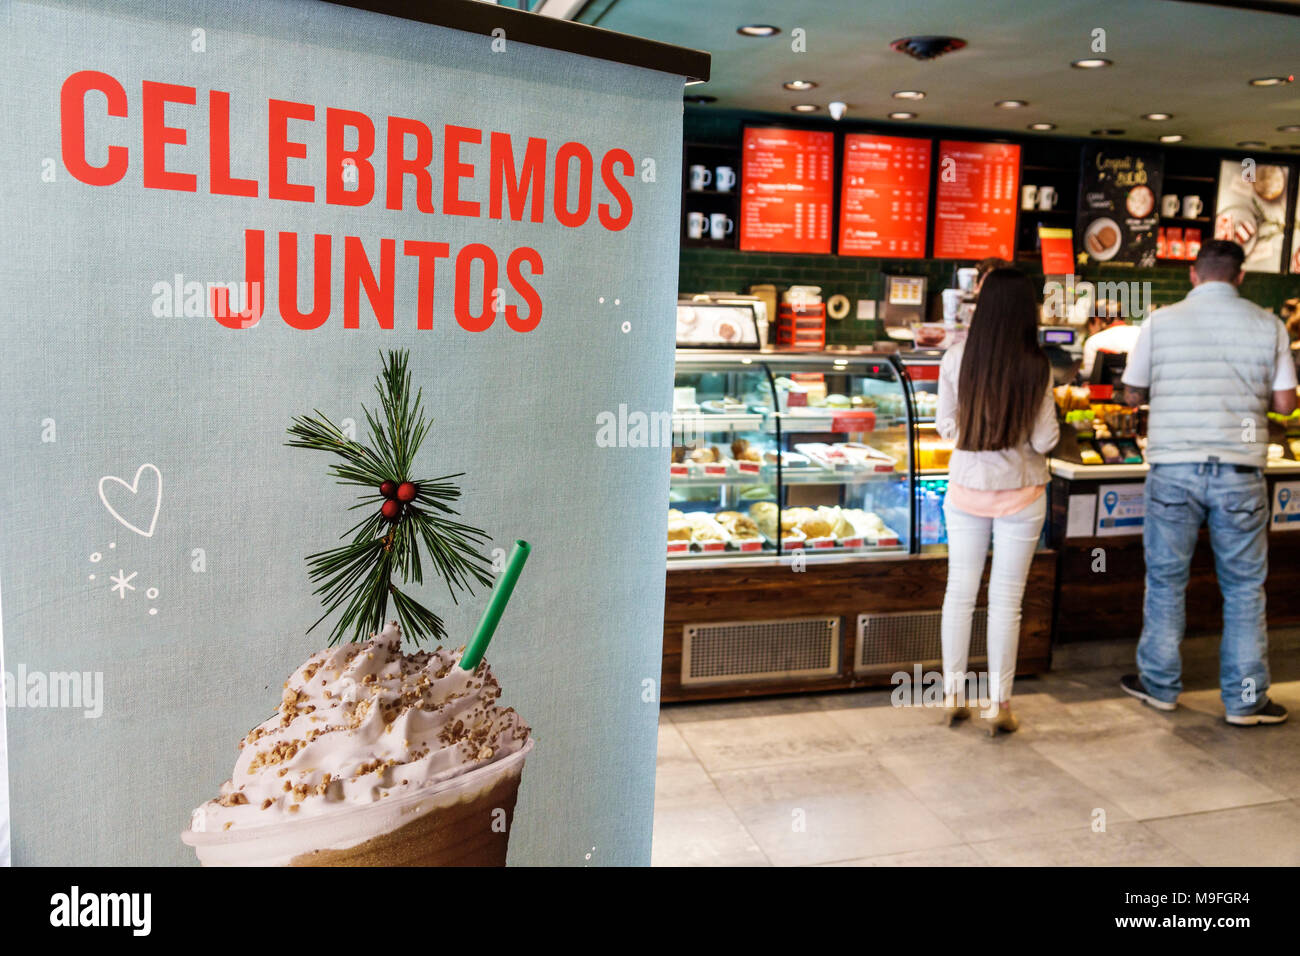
[[695, 225], [1028, 197], [1046, 198], [1192, 207], [720, 225], [700, 178], [725, 177], [1169, 206]]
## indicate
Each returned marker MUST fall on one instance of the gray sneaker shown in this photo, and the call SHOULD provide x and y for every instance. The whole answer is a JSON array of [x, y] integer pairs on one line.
[[1270, 713], [1131, 684]]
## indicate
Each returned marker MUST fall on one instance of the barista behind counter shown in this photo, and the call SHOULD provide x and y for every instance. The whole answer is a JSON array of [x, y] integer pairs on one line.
[[1107, 332]]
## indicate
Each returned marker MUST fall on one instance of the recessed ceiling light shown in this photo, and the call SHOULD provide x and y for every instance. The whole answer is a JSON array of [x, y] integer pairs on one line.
[[1091, 63], [908, 95], [1171, 138], [902, 114], [1041, 127], [1157, 117], [798, 85], [758, 30], [699, 98], [1107, 132], [1251, 144], [805, 107], [1010, 104], [1271, 80], [1289, 128]]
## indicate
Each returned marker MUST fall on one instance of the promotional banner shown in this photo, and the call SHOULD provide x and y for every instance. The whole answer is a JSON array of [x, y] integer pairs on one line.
[[1295, 235], [311, 317], [1119, 188], [1250, 210]]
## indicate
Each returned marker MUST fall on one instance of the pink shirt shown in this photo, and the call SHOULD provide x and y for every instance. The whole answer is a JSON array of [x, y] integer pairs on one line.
[[992, 504]]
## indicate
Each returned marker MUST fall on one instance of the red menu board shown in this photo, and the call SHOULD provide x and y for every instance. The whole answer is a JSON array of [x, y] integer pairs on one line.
[[976, 200], [884, 196], [789, 178]]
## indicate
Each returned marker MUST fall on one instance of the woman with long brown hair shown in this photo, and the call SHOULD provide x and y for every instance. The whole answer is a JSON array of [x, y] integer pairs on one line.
[[996, 404]]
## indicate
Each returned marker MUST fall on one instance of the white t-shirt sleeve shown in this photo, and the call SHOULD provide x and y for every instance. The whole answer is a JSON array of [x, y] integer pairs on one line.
[[1137, 372], [1284, 376], [945, 415], [1089, 356]]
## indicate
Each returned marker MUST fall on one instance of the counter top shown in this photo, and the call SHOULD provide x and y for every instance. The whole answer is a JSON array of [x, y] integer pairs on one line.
[[1077, 472]]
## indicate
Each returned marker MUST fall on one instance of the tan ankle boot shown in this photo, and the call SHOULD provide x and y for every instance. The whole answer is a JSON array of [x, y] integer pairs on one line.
[[1005, 721], [952, 713]]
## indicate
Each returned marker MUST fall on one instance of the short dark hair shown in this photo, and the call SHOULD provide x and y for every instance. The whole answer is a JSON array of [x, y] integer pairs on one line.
[[1219, 259]]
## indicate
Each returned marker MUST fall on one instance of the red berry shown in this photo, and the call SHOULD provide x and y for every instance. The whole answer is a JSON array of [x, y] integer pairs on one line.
[[388, 489], [407, 491], [392, 510]]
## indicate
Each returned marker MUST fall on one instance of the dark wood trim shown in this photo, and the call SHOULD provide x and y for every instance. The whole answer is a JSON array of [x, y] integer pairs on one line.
[[536, 30]]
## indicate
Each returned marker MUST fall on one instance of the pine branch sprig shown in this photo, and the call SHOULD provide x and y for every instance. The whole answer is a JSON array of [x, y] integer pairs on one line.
[[356, 578]]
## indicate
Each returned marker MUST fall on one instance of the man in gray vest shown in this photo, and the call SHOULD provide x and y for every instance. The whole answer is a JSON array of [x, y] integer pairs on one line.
[[1210, 367]]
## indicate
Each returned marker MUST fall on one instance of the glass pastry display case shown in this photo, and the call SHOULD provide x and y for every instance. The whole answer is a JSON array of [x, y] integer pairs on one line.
[[778, 453], [930, 451], [725, 439]]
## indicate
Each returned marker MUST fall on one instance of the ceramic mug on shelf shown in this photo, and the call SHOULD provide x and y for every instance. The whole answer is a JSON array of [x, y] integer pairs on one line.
[[1169, 206], [1192, 207], [1047, 197], [724, 177], [701, 178], [1028, 197], [695, 224], [720, 225]]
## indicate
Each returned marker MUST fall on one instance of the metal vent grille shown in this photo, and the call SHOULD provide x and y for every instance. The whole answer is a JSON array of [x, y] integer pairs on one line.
[[892, 641], [760, 650]]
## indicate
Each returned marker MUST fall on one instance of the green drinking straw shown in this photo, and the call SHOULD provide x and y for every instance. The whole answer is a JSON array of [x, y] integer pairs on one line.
[[496, 607]]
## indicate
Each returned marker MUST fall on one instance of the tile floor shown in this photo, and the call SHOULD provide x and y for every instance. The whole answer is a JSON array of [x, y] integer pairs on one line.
[[845, 779]]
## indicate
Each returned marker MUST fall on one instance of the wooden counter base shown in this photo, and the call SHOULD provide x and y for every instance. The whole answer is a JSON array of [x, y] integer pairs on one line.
[[1096, 605], [907, 583]]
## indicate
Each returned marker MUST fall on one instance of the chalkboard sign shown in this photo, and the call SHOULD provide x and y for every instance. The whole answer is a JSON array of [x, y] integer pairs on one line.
[[1119, 200]]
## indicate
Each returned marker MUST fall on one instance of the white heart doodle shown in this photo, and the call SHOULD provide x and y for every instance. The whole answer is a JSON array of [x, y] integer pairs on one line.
[[134, 488]]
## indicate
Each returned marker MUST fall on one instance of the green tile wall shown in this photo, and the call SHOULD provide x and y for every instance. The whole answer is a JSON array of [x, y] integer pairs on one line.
[[726, 269]]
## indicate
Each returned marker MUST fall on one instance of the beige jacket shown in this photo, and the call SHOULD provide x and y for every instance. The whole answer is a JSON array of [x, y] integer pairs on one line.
[[994, 470]]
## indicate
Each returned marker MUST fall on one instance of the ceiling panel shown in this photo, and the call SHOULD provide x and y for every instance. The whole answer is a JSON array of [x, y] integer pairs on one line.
[[1189, 59]]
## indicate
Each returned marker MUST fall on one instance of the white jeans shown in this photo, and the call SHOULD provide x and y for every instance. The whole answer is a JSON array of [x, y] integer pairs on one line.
[[1015, 537]]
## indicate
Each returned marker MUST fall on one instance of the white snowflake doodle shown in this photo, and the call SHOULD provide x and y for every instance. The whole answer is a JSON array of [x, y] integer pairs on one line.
[[122, 582]]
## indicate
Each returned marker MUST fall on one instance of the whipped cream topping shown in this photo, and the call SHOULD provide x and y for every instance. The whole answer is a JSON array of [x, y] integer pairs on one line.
[[362, 722]]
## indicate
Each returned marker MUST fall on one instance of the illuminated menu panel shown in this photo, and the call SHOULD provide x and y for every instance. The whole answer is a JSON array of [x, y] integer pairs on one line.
[[975, 201], [884, 197], [789, 185]]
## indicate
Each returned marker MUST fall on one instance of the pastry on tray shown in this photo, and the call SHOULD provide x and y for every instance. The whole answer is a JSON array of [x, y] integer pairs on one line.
[[816, 527], [792, 517], [764, 514], [708, 531], [738, 525], [679, 530]]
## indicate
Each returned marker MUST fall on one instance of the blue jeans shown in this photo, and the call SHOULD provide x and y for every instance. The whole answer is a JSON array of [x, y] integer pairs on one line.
[[1179, 499]]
